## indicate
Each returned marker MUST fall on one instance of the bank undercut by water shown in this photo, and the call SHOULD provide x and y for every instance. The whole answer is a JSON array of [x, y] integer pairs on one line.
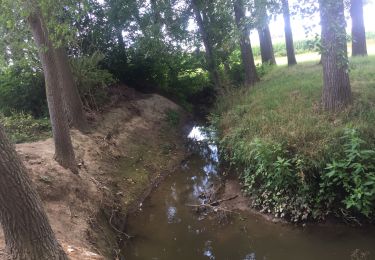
[[295, 160]]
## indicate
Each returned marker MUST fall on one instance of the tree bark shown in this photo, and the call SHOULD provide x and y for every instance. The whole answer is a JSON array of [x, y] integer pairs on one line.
[[336, 90], [71, 98], [359, 46], [266, 48], [28, 234], [210, 58], [265, 40], [64, 153], [288, 34], [251, 76]]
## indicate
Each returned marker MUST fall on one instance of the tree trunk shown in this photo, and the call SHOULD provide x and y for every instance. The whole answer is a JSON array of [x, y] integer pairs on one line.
[[251, 76], [358, 28], [120, 40], [210, 58], [28, 235], [336, 90], [72, 101], [157, 20], [64, 153], [288, 34], [266, 48]]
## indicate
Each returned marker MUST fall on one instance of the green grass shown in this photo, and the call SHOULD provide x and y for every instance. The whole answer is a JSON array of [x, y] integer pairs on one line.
[[284, 109]]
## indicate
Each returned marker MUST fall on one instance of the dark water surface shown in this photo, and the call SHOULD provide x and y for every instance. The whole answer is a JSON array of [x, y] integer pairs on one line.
[[166, 228]]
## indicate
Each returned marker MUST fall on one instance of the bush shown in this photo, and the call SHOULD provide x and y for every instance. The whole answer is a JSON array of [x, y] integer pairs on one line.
[[275, 181], [91, 80], [22, 90], [22, 127], [349, 180]]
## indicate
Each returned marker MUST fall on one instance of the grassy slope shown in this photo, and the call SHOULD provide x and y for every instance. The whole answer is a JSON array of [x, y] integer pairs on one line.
[[284, 108]]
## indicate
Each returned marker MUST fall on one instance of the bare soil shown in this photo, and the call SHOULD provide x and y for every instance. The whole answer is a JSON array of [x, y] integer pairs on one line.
[[129, 150], [241, 202]]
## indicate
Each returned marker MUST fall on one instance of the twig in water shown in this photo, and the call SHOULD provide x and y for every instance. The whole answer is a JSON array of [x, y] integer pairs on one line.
[[121, 232]]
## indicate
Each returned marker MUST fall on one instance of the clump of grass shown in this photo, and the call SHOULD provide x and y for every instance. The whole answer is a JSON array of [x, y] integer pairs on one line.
[[173, 117], [284, 111]]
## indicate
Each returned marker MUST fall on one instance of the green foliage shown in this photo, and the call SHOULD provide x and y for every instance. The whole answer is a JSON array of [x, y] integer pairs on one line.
[[275, 181], [278, 129], [22, 89], [22, 127], [350, 178], [173, 117], [174, 74], [91, 80]]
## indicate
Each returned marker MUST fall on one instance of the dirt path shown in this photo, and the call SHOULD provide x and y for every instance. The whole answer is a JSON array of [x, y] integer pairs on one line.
[[131, 147]]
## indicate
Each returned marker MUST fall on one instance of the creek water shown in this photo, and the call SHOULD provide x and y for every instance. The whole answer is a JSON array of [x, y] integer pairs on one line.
[[166, 227]]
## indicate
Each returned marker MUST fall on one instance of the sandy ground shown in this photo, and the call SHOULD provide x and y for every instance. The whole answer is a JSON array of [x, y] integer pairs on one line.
[[131, 145]]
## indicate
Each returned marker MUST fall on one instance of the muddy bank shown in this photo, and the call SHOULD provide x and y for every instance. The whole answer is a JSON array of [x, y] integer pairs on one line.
[[132, 145]]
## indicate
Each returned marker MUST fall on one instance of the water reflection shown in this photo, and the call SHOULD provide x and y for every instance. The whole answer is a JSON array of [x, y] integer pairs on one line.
[[208, 250], [172, 215], [169, 229], [202, 144], [250, 257]]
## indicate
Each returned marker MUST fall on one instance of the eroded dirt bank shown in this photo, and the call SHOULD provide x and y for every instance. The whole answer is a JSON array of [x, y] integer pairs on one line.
[[131, 147]]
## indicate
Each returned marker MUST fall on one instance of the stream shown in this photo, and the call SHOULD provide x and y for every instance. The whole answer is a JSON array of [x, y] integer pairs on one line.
[[166, 227]]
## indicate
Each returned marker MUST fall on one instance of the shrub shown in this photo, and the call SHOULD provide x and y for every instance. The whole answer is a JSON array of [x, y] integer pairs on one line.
[[91, 80], [22, 127], [275, 181], [349, 180]]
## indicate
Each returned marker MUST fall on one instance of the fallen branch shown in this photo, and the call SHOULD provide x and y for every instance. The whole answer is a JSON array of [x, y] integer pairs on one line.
[[215, 205], [214, 208], [217, 202]]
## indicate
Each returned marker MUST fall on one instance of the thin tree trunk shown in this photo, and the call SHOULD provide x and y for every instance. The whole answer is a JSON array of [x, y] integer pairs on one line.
[[251, 76], [120, 39], [210, 58], [71, 98], [359, 46], [336, 90], [266, 48], [28, 234], [288, 34], [64, 153]]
